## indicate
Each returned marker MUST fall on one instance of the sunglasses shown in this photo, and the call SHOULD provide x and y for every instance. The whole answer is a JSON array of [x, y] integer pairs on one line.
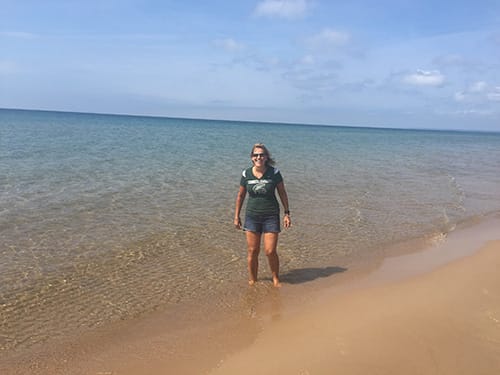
[[257, 155]]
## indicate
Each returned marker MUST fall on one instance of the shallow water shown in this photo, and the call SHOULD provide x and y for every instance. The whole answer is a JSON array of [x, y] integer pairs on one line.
[[103, 218]]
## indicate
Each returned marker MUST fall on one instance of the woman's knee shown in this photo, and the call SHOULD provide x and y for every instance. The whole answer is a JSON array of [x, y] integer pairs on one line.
[[271, 252], [253, 252]]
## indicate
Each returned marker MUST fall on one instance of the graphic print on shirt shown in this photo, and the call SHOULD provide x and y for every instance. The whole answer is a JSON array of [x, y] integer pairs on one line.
[[259, 186]]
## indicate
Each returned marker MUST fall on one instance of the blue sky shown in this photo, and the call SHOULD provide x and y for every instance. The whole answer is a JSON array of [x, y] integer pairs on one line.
[[404, 63]]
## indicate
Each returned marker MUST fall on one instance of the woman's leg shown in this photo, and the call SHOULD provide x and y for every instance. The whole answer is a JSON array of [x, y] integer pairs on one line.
[[253, 245], [270, 245]]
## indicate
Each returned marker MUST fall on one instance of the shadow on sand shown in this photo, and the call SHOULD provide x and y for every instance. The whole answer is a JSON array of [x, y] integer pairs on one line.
[[304, 275]]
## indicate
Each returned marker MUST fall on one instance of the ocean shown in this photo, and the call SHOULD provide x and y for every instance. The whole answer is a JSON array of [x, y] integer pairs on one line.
[[104, 218]]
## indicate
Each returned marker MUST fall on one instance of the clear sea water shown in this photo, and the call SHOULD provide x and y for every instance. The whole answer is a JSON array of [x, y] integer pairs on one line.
[[105, 217]]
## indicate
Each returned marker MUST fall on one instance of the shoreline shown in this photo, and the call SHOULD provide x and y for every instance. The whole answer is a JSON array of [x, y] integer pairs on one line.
[[202, 341], [439, 320]]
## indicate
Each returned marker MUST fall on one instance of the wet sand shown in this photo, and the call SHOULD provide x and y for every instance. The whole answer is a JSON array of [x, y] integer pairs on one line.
[[432, 312], [417, 314]]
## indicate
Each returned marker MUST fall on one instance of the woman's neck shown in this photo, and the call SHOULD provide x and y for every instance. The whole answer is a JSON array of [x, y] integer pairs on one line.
[[259, 169]]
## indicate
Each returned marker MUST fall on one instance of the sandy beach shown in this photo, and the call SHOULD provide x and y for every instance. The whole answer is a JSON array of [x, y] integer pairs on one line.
[[431, 312], [443, 320]]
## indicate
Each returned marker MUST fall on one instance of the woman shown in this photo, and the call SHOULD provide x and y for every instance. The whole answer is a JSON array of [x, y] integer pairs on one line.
[[262, 218]]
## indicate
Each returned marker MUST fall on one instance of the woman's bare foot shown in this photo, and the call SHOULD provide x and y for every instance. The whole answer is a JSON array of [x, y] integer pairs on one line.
[[276, 282], [251, 282]]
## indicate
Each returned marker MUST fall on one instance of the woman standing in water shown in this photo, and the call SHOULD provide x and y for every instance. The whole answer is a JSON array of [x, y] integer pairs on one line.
[[262, 217]]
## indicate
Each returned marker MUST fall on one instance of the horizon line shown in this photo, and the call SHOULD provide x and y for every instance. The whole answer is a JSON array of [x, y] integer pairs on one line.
[[376, 127]]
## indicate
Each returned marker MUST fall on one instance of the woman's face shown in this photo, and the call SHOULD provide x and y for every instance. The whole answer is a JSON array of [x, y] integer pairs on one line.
[[259, 156]]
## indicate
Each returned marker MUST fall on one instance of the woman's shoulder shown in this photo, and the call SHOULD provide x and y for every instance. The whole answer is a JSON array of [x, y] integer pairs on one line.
[[274, 170], [247, 172]]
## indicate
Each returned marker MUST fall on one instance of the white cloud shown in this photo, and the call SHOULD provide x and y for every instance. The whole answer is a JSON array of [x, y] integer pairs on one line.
[[470, 112], [289, 9], [478, 92], [478, 87], [494, 95], [229, 44], [329, 38], [424, 78]]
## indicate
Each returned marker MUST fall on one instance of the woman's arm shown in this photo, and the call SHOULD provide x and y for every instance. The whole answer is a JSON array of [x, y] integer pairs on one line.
[[240, 198], [287, 221]]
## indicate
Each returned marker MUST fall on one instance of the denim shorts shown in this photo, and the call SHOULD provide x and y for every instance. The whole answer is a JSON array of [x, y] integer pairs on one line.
[[262, 223]]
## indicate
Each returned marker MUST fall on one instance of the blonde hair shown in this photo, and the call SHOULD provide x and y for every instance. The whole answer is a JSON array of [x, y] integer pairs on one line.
[[269, 161]]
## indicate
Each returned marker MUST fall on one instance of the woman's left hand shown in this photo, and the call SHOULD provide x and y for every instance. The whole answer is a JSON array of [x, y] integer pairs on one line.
[[287, 221], [237, 223]]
